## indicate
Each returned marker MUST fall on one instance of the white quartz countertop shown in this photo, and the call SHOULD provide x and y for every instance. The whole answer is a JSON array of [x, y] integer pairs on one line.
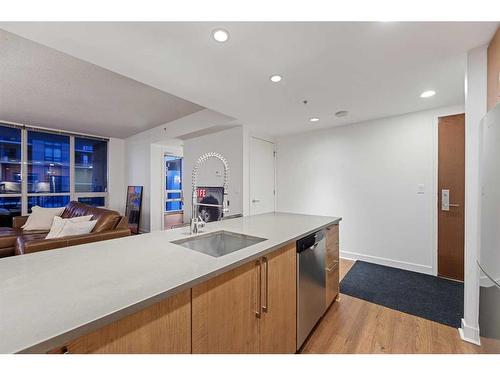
[[51, 297]]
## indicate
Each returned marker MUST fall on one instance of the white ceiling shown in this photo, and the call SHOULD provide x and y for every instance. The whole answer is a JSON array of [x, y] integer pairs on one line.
[[371, 69], [44, 87]]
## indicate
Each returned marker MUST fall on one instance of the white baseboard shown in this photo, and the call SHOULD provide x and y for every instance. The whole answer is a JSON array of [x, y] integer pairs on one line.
[[387, 262], [469, 333]]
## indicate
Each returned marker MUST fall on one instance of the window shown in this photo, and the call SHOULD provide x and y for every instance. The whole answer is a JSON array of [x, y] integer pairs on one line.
[[93, 201], [9, 207], [91, 171], [10, 174], [48, 163], [58, 168], [48, 201], [10, 160], [173, 183], [91, 165], [48, 169]]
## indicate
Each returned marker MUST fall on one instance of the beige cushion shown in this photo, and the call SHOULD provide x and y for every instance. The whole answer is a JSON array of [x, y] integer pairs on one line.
[[41, 218], [59, 223], [76, 228]]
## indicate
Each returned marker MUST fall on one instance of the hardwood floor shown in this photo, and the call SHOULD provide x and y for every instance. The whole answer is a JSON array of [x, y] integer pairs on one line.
[[352, 325]]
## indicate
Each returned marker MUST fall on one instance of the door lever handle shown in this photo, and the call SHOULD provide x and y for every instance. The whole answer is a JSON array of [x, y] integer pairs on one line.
[[445, 200]]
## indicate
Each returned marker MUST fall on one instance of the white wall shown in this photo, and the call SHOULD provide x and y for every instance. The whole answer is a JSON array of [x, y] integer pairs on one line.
[[475, 109], [116, 175], [230, 144], [144, 153], [183, 126], [156, 187], [368, 173], [143, 168], [137, 160]]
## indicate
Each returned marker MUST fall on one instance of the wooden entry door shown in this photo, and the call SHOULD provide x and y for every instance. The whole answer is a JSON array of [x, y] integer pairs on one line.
[[451, 196]]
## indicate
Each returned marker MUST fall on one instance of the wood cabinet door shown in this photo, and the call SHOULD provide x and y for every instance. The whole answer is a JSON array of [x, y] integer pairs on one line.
[[278, 325], [332, 244], [332, 283], [224, 312], [164, 327], [332, 264]]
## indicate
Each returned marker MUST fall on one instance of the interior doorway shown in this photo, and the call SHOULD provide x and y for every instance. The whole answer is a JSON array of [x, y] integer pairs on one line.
[[451, 196], [173, 209], [262, 176]]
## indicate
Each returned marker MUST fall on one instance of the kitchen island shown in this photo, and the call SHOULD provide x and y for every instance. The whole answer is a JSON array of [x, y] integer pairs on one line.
[[145, 294]]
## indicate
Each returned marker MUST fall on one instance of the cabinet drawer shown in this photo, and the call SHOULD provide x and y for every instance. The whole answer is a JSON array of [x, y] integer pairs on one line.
[[332, 282]]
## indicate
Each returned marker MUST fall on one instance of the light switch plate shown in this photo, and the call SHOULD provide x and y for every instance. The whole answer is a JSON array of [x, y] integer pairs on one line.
[[420, 189]]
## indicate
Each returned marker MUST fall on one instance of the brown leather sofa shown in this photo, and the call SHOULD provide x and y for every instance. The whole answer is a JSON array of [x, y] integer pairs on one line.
[[16, 241]]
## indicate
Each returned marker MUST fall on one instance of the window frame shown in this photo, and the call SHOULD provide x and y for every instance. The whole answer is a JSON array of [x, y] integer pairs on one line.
[[73, 195], [14, 195], [173, 191], [85, 194]]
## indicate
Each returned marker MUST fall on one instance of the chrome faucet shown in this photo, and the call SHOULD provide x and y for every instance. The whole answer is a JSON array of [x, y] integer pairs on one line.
[[197, 222]]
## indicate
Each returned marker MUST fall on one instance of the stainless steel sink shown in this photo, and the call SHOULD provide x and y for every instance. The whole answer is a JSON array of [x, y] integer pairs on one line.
[[219, 243]]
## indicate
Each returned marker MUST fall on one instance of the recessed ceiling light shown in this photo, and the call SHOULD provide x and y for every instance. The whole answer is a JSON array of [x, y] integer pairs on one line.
[[428, 94], [275, 78], [341, 113], [314, 119], [220, 35]]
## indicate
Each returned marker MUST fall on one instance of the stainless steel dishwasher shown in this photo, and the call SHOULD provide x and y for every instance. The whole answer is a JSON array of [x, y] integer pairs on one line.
[[311, 279]]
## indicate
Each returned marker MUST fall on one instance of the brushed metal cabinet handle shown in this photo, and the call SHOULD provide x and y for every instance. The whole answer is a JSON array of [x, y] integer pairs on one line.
[[258, 312], [265, 308], [330, 269]]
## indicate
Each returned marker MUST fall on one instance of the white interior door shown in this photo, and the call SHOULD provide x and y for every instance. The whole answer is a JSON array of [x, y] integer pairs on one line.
[[262, 176]]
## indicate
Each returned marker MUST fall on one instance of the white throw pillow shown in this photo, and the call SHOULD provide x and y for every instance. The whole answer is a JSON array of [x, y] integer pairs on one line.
[[73, 229], [41, 218], [59, 222]]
